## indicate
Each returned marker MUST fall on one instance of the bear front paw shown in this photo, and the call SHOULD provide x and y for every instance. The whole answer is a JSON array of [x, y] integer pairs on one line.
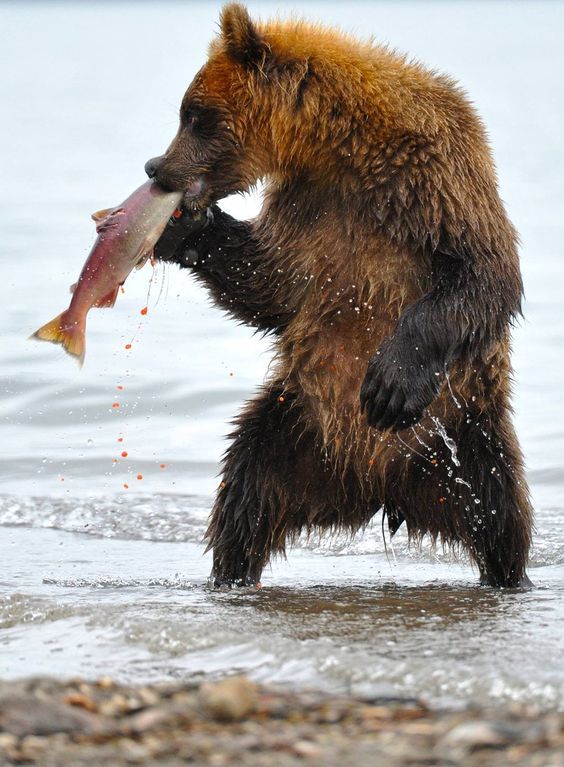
[[397, 389], [180, 233]]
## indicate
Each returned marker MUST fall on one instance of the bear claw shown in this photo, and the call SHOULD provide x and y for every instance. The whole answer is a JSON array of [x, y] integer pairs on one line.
[[396, 389]]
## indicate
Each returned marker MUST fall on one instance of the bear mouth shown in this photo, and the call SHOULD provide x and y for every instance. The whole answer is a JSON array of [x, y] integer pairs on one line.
[[197, 195], [194, 188]]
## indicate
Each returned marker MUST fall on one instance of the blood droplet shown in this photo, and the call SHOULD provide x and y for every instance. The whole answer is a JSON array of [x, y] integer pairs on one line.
[[139, 476], [126, 486], [177, 213], [162, 465], [144, 310], [128, 346], [115, 404], [124, 453], [119, 388], [120, 439]]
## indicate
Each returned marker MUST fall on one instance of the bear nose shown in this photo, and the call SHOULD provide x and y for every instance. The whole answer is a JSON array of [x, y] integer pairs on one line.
[[152, 165]]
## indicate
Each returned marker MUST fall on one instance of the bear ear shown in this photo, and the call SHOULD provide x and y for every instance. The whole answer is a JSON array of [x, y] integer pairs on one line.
[[242, 39]]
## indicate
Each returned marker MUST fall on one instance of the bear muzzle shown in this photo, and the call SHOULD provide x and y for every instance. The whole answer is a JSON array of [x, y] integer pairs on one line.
[[156, 169]]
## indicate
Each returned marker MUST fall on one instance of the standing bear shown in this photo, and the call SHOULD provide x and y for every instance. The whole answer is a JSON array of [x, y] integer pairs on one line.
[[385, 268]]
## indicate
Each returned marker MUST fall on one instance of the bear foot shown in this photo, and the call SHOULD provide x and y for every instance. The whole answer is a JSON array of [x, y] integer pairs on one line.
[[224, 583], [523, 583]]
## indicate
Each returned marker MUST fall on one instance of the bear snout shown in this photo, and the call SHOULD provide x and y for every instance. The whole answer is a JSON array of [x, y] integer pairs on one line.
[[167, 173], [152, 165]]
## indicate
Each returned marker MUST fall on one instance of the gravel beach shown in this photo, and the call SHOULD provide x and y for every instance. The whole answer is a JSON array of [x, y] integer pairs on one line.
[[233, 721]]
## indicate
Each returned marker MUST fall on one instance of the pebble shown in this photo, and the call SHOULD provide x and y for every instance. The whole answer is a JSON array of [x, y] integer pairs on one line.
[[230, 700], [45, 723], [306, 749], [478, 734]]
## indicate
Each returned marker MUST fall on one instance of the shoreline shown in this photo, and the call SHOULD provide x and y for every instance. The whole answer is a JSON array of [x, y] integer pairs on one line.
[[49, 723]]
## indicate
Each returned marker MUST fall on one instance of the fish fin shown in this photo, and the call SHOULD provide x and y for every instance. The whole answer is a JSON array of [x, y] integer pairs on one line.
[[108, 218], [107, 301], [73, 287], [100, 215], [71, 336]]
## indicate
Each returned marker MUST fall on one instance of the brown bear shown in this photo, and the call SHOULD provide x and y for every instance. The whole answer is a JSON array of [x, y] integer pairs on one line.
[[384, 266]]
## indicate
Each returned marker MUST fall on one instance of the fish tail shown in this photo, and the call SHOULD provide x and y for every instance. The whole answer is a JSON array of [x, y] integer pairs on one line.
[[71, 335]]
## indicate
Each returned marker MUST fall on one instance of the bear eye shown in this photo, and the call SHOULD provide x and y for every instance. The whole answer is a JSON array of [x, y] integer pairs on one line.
[[191, 120]]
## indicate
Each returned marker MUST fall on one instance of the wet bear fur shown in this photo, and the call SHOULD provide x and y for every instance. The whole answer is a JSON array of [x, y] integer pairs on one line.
[[384, 267]]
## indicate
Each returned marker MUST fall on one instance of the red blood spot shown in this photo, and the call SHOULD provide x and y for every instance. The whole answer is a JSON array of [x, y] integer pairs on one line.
[[115, 404], [62, 479], [434, 461], [128, 346], [119, 388], [162, 465], [126, 486], [115, 460], [442, 499], [144, 311], [139, 476], [124, 454], [177, 213], [120, 439]]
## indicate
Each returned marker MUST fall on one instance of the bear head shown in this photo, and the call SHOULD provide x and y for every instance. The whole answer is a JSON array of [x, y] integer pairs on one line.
[[253, 110]]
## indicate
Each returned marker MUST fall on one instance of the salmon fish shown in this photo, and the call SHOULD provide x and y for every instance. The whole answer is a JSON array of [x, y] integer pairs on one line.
[[126, 237]]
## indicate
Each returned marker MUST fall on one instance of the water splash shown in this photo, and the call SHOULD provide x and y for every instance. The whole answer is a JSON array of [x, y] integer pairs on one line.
[[454, 399], [449, 442]]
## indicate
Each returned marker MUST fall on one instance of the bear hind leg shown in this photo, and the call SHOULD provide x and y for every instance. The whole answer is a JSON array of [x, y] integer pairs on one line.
[[482, 504], [277, 481]]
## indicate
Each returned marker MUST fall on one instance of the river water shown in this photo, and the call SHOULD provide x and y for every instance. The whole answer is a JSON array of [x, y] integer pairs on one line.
[[102, 579]]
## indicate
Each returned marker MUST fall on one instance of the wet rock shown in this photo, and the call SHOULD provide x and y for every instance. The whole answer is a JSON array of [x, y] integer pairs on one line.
[[234, 722], [230, 700], [27, 715], [306, 749], [9, 746], [150, 719], [81, 700], [481, 734]]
